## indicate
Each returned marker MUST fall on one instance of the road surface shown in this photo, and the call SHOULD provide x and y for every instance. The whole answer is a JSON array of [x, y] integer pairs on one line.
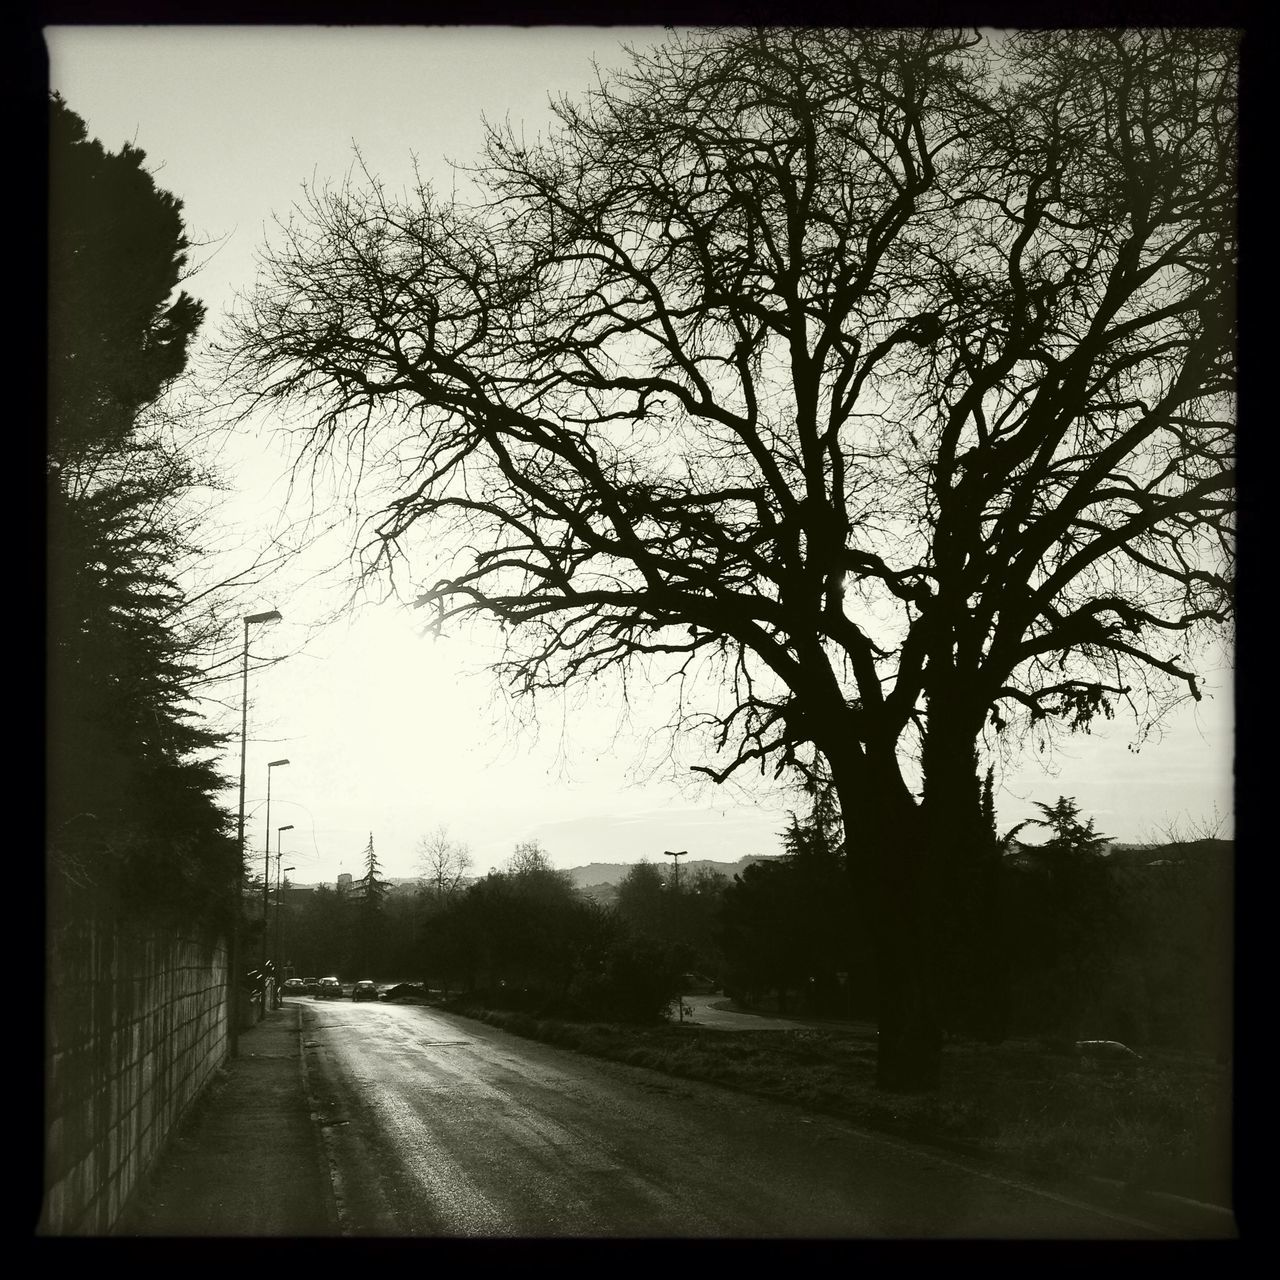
[[436, 1125]]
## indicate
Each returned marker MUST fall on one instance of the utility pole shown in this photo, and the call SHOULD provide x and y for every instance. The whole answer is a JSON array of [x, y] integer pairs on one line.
[[279, 909], [266, 870], [677, 854], [233, 950]]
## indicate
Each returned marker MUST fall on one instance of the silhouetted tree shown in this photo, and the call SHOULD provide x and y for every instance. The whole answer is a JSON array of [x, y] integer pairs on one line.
[[884, 377], [131, 780], [532, 862], [680, 925], [699, 908], [786, 923], [370, 893], [443, 862], [1069, 911], [117, 252], [642, 899], [634, 978], [1071, 837]]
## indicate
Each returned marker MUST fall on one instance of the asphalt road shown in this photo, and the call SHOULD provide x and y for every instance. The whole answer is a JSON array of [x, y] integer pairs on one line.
[[440, 1126]]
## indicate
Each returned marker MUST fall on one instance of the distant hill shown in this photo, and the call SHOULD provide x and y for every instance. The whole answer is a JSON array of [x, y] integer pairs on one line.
[[610, 873]]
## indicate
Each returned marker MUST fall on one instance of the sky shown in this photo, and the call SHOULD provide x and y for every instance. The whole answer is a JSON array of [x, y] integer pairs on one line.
[[390, 734]]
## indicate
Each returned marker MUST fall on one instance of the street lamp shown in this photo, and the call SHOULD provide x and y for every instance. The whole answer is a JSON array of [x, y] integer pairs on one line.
[[279, 908], [233, 962], [677, 854], [280, 950], [266, 863]]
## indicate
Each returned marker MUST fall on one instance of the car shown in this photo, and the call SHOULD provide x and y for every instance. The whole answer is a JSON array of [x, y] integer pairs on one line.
[[328, 989], [364, 990], [311, 984], [294, 987]]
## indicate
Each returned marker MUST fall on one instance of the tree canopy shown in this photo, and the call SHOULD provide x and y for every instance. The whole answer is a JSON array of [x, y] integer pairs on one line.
[[886, 377], [443, 862], [131, 778], [117, 252]]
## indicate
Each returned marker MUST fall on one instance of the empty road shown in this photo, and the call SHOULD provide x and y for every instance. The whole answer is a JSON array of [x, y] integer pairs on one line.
[[440, 1126]]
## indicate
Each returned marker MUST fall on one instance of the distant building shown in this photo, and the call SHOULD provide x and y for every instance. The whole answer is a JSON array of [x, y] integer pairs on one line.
[[344, 883]]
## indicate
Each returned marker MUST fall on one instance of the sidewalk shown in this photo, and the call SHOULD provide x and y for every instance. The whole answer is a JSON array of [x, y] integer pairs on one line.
[[248, 1160]]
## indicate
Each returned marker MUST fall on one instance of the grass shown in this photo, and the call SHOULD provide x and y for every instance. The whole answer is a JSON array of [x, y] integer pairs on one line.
[[1162, 1124]]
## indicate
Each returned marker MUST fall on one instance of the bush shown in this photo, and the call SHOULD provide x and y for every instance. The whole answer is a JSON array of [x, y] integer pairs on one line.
[[638, 983]]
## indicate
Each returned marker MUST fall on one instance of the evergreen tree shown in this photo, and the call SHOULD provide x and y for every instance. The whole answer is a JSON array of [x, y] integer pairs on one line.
[[131, 782], [785, 923], [117, 251], [371, 890], [1075, 907], [1070, 835]]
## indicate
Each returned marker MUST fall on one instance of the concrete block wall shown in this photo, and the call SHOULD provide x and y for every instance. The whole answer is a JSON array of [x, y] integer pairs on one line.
[[136, 1025]]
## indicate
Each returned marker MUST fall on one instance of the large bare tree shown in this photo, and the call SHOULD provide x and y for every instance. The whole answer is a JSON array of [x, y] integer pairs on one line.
[[887, 375]]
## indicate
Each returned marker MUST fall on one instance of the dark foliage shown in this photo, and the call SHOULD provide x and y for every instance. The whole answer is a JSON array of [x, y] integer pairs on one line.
[[131, 777], [786, 924], [1135, 946], [117, 252], [526, 939], [637, 980]]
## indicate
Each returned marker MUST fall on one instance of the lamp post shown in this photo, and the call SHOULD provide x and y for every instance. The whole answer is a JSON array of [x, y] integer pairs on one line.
[[279, 929], [233, 959], [677, 854], [266, 864], [279, 908]]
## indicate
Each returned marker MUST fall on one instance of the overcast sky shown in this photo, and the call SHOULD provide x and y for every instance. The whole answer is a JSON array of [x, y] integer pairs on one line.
[[388, 733]]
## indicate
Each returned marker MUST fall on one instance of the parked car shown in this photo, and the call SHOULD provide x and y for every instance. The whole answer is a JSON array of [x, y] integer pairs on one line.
[[294, 987], [329, 989], [364, 990], [311, 984]]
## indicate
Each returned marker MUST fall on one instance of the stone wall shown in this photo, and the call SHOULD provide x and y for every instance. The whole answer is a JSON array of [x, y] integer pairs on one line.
[[136, 1025]]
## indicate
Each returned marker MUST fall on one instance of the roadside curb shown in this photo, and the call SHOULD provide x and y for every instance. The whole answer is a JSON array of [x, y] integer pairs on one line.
[[1178, 1212]]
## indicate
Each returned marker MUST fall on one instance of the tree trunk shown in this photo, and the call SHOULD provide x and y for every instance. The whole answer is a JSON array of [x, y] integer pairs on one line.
[[889, 859], [909, 1055], [966, 862]]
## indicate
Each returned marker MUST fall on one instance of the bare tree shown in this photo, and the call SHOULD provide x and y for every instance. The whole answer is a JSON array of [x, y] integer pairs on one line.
[[884, 377], [443, 862], [532, 861]]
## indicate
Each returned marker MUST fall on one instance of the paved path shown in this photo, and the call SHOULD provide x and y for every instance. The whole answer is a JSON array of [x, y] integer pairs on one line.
[[716, 1013], [248, 1161]]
